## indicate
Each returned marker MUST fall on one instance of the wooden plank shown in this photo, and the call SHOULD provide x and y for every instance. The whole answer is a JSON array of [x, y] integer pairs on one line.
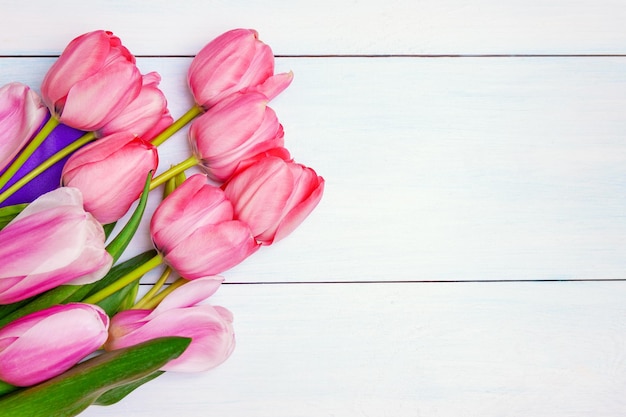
[[441, 169], [327, 27], [473, 349]]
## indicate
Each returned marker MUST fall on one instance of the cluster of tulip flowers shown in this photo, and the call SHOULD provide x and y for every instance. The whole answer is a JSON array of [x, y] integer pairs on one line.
[[83, 155]]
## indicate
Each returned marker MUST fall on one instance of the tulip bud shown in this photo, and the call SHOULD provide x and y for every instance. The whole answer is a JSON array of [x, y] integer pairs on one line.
[[21, 114], [194, 230], [111, 173], [46, 343], [274, 196], [180, 314], [92, 81], [146, 116], [52, 242], [236, 61], [232, 131]]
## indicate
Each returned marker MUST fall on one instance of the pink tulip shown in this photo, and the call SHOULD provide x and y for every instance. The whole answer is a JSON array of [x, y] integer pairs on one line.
[[146, 116], [236, 61], [47, 343], [111, 173], [92, 81], [21, 114], [180, 314], [52, 242], [194, 230], [232, 131], [274, 196]]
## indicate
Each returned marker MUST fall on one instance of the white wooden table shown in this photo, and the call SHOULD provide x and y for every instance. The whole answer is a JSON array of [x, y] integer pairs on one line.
[[469, 255]]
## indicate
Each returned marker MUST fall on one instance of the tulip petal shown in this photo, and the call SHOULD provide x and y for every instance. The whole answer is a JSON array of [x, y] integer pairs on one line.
[[212, 249], [190, 294], [96, 94]]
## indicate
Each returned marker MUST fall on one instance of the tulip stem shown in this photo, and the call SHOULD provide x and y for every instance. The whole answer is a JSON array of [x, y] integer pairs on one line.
[[191, 114], [154, 301], [28, 150], [129, 278], [83, 140], [173, 171], [155, 289]]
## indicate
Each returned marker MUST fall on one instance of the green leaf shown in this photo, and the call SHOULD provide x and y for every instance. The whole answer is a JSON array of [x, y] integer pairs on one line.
[[108, 229], [116, 394], [75, 390], [8, 213], [117, 246], [6, 388]]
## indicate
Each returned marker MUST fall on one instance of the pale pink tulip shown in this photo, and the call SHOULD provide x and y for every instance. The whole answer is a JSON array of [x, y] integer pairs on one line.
[[92, 81], [232, 131], [236, 61], [180, 314], [194, 230], [111, 173], [21, 114], [274, 196], [146, 116], [47, 343], [52, 242]]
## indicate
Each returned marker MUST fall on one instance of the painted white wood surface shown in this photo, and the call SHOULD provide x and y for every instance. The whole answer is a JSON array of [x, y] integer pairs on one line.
[[441, 169], [299, 27], [437, 169], [446, 349]]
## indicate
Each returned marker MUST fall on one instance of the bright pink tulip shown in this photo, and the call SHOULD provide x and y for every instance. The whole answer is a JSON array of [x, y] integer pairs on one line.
[[47, 343], [21, 114], [236, 61], [111, 173], [232, 131], [145, 116], [194, 230], [93, 80], [274, 196], [52, 242], [180, 314]]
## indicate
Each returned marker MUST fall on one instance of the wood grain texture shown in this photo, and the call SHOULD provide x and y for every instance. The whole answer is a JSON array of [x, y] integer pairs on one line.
[[298, 27], [441, 169], [385, 350], [444, 169]]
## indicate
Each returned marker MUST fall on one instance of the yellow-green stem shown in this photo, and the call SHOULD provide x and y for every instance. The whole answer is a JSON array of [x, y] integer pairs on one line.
[[28, 150], [125, 280], [155, 289], [173, 171], [191, 114], [152, 303], [83, 140]]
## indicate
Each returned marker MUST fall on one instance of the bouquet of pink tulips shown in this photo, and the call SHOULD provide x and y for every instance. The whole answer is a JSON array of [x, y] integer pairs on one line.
[[75, 160]]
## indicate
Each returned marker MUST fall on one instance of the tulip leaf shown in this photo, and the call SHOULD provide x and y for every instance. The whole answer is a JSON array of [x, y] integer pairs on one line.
[[117, 246], [72, 392], [6, 388], [108, 229], [116, 394], [8, 213]]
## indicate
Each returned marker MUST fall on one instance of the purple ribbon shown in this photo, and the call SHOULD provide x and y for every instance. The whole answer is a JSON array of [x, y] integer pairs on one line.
[[50, 179]]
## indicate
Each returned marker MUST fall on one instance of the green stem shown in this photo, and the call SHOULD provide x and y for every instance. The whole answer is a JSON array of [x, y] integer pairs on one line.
[[83, 140], [173, 171], [125, 280], [28, 150], [155, 289], [191, 114], [154, 301]]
